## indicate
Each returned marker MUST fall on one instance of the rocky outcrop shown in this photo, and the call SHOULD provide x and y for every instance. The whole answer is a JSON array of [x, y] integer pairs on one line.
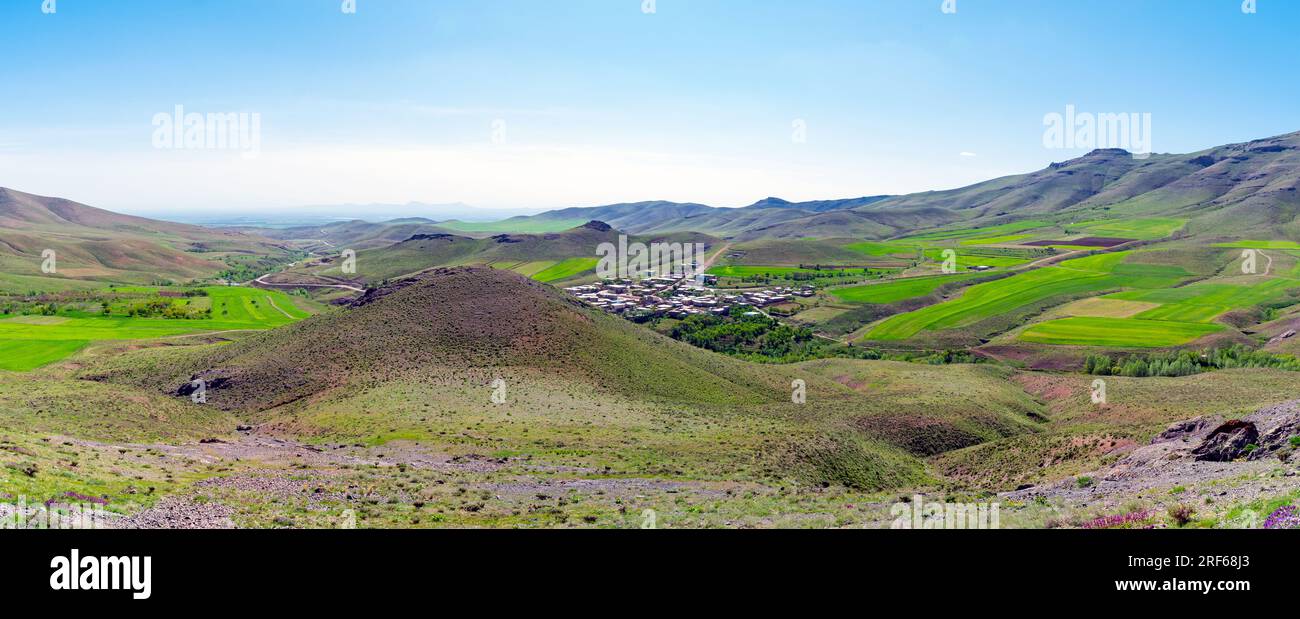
[[1278, 425], [1187, 431], [1228, 442]]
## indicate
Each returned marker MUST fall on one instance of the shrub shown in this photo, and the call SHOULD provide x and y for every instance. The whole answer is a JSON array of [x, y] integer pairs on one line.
[[1182, 514], [1085, 482]]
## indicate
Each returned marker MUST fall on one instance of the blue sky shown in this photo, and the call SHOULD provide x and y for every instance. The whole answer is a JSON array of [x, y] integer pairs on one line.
[[601, 102]]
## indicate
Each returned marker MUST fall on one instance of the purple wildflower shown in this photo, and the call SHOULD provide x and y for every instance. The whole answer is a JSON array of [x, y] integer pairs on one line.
[[1284, 518], [1118, 520], [83, 498]]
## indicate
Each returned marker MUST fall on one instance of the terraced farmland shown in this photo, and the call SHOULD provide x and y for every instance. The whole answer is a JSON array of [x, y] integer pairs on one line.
[[1174, 316], [980, 233], [897, 290], [1080, 276], [1142, 229], [1205, 302], [967, 258], [1117, 332], [1260, 245]]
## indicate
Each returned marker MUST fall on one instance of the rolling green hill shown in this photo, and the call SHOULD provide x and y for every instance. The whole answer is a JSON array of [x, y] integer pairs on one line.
[[420, 358]]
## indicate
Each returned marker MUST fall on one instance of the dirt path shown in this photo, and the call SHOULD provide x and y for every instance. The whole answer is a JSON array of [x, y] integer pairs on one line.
[[277, 308], [261, 282], [708, 262], [1268, 270], [207, 333]]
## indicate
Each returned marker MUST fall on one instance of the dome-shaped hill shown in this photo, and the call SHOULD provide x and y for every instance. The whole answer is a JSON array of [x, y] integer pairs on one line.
[[470, 321]]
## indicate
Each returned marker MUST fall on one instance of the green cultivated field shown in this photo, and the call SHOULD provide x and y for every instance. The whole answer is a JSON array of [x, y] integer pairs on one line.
[[1260, 245], [565, 269], [1205, 302], [980, 233], [969, 258], [28, 342], [896, 290], [1118, 332], [1009, 239], [756, 271], [1072, 277], [1183, 316], [23, 355], [883, 249], [1141, 229]]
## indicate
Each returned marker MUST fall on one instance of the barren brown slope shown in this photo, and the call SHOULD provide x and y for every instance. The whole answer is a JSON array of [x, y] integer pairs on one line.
[[93, 243], [25, 211]]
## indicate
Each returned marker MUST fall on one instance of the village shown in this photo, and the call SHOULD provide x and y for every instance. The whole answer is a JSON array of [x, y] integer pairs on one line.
[[678, 296]]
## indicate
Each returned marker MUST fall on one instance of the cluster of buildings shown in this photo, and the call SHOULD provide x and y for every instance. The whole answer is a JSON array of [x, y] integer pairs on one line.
[[677, 297]]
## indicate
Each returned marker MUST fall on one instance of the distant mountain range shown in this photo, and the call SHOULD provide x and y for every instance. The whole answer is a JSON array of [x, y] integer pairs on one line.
[[315, 215], [1236, 188], [1246, 190]]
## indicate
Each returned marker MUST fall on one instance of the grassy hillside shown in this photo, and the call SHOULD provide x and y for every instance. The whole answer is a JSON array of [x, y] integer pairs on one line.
[[418, 360]]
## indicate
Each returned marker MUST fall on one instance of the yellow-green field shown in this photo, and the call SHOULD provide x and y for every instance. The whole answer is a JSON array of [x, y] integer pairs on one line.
[[1080, 276], [1117, 332], [29, 342], [896, 290]]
